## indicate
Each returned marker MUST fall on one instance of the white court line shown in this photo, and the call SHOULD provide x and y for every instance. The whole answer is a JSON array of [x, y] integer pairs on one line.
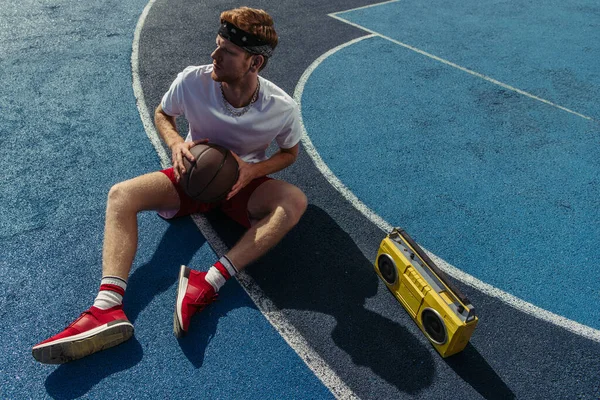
[[363, 7], [147, 120], [521, 305], [451, 64], [275, 317]]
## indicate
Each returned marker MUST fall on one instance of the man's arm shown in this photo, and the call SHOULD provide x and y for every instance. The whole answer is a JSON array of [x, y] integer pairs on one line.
[[167, 128], [283, 158], [278, 161]]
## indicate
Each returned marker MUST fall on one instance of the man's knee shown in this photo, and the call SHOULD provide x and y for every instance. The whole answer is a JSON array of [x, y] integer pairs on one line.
[[117, 197], [295, 205], [153, 191], [278, 197]]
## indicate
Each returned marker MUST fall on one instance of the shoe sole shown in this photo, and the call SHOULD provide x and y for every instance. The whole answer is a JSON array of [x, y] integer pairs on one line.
[[184, 273], [69, 349]]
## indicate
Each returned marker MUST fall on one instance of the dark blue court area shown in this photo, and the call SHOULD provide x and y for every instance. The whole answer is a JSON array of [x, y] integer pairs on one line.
[[472, 125]]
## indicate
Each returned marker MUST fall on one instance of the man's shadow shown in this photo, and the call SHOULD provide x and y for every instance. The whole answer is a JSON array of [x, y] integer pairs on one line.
[[76, 378], [203, 326], [319, 268]]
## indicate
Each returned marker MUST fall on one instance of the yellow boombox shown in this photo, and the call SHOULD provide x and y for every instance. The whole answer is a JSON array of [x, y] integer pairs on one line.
[[441, 311]]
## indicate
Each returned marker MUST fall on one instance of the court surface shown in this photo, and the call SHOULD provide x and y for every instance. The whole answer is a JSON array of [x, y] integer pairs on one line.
[[474, 126]]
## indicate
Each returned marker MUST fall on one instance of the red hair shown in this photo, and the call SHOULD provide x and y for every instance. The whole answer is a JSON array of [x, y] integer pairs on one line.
[[254, 21]]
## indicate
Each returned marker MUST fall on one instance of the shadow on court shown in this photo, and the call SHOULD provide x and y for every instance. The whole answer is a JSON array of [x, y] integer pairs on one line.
[[76, 378], [473, 369], [203, 326], [318, 268], [178, 245]]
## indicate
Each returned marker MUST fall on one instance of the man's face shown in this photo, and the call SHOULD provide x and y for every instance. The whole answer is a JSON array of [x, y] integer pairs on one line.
[[230, 62]]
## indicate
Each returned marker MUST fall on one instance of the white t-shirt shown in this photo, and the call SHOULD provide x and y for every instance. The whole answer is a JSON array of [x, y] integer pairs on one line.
[[274, 115]]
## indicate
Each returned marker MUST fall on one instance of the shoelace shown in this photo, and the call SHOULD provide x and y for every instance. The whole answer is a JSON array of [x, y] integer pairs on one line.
[[202, 303], [83, 314]]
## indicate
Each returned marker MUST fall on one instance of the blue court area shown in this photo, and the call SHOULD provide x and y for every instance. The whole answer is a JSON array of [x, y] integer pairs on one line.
[[499, 184], [69, 130], [549, 49]]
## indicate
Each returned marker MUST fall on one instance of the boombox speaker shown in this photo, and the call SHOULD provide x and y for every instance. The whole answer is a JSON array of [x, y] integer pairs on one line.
[[442, 312]]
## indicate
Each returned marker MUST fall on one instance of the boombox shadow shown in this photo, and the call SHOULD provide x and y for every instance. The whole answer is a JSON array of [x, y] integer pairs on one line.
[[318, 268], [473, 369]]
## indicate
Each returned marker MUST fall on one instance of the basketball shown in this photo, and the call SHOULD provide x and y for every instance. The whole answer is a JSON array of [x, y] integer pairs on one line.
[[212, 175]]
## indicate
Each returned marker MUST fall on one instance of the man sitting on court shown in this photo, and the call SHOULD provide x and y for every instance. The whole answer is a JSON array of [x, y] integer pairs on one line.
[[226, 103]]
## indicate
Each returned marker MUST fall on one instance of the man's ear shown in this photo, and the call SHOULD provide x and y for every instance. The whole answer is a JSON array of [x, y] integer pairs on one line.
[[257, 62]]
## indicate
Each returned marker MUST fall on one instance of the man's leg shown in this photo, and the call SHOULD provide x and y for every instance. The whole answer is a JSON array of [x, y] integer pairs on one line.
[[275, 207], [105, 325], [152, 191]]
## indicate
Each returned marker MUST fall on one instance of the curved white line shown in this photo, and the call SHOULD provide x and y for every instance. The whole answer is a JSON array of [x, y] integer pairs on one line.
[[275, 317], [521, 305], [138, 92]]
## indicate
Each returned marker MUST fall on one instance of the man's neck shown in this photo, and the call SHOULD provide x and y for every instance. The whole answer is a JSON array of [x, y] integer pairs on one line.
[[239, 94]]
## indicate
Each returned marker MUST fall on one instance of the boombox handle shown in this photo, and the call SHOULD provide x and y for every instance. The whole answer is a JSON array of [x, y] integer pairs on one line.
[[442, 275]]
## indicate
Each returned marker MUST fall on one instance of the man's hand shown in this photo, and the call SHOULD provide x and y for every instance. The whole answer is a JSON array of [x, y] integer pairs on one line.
[[247, 172], [180, 150]]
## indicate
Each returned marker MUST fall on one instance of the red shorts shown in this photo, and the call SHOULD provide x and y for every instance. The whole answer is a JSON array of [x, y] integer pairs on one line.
[[236, 207]]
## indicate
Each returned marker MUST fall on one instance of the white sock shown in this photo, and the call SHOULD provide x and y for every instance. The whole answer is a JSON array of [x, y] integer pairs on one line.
[[214, 277], [112, 290], [219, 273]]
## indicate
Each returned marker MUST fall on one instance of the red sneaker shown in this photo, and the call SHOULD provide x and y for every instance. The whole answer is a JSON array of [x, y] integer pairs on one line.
[[193, 294], [94, 330]]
